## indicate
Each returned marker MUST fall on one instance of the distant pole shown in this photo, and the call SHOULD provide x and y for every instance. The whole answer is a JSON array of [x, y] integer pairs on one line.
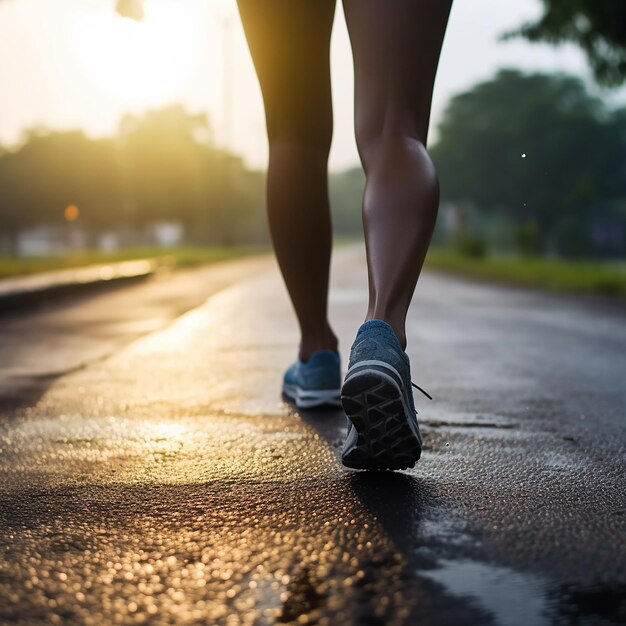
[[226, 23], [226, 27]]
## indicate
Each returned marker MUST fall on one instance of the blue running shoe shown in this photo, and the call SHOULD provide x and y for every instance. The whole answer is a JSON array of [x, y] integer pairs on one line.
[[378, 400], [316, 382]]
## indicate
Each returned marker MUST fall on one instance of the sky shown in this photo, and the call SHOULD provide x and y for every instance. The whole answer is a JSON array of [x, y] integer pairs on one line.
[[70, 64]]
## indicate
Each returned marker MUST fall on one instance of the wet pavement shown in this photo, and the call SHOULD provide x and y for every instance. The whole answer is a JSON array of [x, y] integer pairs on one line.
[[156, 476]]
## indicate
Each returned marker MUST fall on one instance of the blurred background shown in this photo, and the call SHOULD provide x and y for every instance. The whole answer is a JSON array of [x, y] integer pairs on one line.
[[128, 128]]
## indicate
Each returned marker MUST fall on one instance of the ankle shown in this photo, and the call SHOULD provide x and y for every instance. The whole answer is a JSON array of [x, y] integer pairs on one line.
[[311, 343]]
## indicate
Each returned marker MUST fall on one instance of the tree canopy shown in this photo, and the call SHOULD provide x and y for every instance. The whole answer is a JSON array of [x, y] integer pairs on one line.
[[598, 27], [536, 147], [160, 166]]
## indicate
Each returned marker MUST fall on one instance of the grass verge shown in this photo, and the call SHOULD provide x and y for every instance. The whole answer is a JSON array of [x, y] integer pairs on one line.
[[184, 256], [555, 275], [563, 276]]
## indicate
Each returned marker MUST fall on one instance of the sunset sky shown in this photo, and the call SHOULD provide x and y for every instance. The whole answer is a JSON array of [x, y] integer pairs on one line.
[[76, 64]]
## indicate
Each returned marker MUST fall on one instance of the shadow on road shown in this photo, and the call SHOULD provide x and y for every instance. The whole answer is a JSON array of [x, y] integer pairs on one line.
[[397, 500], [401, 503]]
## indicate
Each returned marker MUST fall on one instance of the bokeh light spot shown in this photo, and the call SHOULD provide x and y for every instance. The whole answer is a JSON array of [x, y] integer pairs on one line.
[[71, 213]]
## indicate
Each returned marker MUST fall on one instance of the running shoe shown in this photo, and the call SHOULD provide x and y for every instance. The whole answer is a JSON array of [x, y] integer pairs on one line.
[[378, 400], [316, 382]]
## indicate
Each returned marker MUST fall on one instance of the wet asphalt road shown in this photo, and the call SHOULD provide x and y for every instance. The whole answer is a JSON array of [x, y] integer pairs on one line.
[[150, 472]]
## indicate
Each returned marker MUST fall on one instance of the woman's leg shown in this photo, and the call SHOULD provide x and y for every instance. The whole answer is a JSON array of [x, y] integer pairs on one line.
[[396, 47], [289, 41]]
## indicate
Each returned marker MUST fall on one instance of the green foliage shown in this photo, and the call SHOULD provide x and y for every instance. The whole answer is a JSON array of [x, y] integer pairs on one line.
[[527, 238], [596, 26], [535, 147], [469, 244], [180, 256], [566, 276], [156, 169], [166, 170], [50, 172], [572, 239]]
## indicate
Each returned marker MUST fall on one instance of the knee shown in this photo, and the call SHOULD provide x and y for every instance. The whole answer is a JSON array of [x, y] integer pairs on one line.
[[389, 129], [391, 147], [300, 131]]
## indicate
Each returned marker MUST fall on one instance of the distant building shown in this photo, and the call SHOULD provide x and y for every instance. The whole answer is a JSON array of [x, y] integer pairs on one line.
[[50, 241]]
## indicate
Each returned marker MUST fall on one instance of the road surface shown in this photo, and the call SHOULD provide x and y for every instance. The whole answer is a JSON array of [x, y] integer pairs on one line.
[[150, 472]]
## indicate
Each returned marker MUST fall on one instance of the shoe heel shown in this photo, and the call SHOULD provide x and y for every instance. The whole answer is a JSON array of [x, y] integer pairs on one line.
[[373, 402]]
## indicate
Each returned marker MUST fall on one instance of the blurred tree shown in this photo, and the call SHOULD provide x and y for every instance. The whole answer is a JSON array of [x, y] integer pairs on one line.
[[572, 239], [470, 244], [527, 238], [346, 194], [173, 172], [162, 166], [536, 146], [52, 170], [12, 220], [167, 172], [597, 26]]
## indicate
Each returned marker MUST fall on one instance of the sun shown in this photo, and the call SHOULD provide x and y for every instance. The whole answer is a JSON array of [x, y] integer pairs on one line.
[[136, 64]]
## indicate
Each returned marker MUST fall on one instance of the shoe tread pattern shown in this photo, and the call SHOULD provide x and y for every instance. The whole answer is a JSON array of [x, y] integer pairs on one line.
[[385, 439]]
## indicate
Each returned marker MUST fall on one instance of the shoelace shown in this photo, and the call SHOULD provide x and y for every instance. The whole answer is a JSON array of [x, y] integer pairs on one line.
[[420, 389]]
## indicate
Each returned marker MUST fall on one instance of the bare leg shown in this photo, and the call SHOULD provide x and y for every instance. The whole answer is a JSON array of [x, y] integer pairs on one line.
[[396, 47], [289, 41]]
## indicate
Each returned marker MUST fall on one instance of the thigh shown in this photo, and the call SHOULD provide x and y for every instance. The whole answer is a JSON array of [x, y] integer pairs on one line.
[[396, 46], [289, 41]]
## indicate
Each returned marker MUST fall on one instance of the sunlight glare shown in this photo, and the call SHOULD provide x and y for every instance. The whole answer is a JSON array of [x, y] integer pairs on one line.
[[137, 64]]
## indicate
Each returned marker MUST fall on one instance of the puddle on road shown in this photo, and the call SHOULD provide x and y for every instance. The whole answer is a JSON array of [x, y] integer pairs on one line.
[[521, 599], [450, 552], [513, 598]]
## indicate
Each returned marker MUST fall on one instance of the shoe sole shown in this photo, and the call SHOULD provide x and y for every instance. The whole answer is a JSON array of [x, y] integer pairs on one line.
[[307, 399], [374, 402]]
